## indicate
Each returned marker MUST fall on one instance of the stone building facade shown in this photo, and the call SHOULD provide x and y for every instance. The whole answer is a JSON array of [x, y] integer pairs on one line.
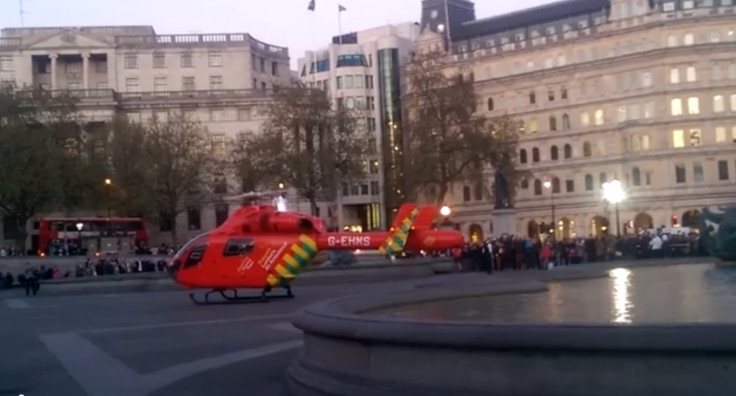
[[639, 91], [218, 79]]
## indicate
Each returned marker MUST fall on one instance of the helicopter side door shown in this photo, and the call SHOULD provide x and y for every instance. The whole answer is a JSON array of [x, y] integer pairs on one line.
[[238, 254]]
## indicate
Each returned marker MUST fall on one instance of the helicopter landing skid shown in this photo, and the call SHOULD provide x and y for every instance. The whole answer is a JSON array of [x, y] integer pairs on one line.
[[234, 298]]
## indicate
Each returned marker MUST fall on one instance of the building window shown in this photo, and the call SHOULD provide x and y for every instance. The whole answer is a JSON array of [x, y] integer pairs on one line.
[[160, 84], [369, 82], [187, 83], [680, 173], [262, 63], [522, 156], [215, 82], [533, 126], [588, 182], [636, 177], [688, 4], [678, 138], [6, 63], [535, 154], [676, 107], [532, 98], [646, 79], [215, 59], [693, 105], [554, 153], [674, 76], [537, 187], [222, 211], [159, 60], [719, 104], [131, 61], [722, 170], [551, 96], [570, 186], [689, 39], [275, 68], [131, 85], [568, 151], [691, 74], [599, 119], [187, 60], [672, 41], [374, 188], [565, 122], [587, 149], [733, 102], [556, 185], [584, 119], [466, 194], [716, 73], [698, 172], [219, 144], [552, 123], [194, 218], [490, 104], [563, 93]]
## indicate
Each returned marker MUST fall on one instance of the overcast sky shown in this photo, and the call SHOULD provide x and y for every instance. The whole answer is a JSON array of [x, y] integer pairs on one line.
[[280, 22]]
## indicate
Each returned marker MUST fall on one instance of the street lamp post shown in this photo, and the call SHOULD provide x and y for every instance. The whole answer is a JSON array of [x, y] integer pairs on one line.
[[548, 185], [108, 184], [614, 193], [79, 229]]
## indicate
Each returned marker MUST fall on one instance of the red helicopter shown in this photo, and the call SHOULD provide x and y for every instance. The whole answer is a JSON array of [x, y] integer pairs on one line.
[[265, 247]]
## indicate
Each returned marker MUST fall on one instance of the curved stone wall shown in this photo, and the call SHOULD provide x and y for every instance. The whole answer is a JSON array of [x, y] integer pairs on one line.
[[347, 353]]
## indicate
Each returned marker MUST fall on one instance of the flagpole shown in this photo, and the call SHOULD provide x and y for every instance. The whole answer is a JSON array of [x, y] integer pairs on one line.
[[339, 23]]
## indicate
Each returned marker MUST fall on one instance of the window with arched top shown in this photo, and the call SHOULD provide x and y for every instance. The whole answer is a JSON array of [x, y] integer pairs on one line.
[[588, 182], [524, 184], [599, 117], [537, 187], [535, 154], [466, 194], [689, 39], [555, 185], [554, 153], [587, 149], [552, 123], [568, 151], [602, 178], [522, 156], [478, 192], [636, 176], [565, 122], [490, 104]]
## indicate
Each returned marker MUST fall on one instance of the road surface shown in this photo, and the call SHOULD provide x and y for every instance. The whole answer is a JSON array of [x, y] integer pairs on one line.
[[151, 344]]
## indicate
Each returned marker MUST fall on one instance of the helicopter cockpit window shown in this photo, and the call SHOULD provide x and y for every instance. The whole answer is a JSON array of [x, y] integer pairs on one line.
[[238, 247], [195, 255], [198, 238]]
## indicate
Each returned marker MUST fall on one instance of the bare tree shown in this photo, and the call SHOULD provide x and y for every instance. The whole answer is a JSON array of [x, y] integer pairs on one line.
[[448, 141], [308, 144], [164, 167]]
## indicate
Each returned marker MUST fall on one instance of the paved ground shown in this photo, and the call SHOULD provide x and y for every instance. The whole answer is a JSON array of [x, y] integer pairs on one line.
[[159, 343], [150, 344]]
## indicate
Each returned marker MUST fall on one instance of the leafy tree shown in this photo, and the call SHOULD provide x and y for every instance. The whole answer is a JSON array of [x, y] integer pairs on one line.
[[162, 168], [448, 141], [308, 143], [35, 130]]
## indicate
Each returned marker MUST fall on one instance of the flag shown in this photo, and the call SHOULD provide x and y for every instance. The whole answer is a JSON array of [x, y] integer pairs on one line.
[[311, 5], [340, 8]]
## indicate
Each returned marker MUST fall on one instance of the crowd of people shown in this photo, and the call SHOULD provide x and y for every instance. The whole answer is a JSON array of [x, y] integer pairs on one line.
[[510, 252]]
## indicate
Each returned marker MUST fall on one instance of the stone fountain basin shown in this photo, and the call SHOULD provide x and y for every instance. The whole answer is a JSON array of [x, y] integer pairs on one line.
[[348, 352]]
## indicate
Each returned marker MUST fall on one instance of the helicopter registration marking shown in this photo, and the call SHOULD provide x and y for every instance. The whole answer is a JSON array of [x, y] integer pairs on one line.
[[349, 241]]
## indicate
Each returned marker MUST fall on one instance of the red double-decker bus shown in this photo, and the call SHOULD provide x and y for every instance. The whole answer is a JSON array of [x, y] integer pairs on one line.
[[89, 235]]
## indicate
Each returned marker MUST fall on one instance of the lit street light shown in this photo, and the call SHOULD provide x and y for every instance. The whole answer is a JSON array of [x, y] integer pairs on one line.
[[614, 193], [548, 185], [80, 226], [445, 211]]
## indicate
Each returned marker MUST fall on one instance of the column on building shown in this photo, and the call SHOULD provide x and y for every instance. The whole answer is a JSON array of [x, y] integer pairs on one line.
[[54, 82], [85, 71]]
